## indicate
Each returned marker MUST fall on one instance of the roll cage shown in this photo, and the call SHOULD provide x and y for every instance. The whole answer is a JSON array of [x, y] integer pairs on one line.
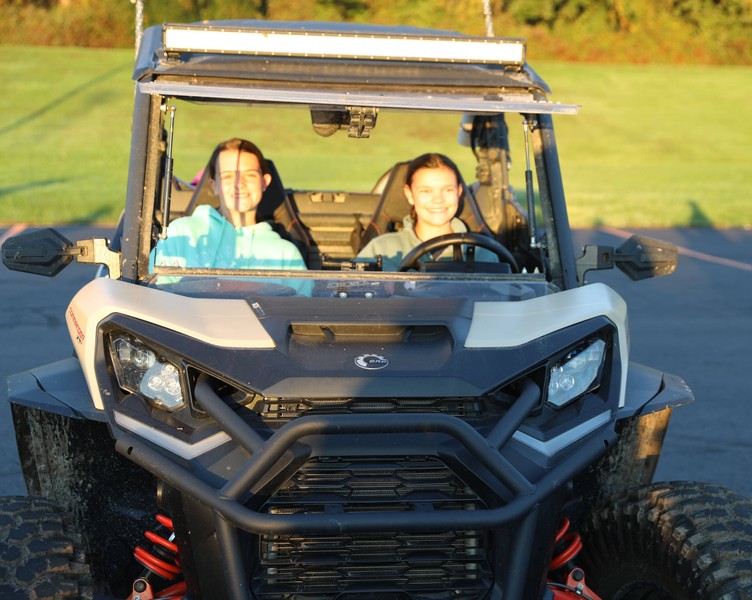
[[347, 93]]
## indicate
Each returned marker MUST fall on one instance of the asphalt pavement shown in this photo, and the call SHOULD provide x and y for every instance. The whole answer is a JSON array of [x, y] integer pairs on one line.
[[695, 323]]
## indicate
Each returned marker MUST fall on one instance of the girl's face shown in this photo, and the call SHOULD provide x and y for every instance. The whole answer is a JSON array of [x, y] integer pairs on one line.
[[435, 194], [240, 182]]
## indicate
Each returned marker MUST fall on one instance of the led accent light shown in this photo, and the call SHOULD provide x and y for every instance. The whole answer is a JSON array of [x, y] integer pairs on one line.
[[141, 370], [352, 45], [578, 372]]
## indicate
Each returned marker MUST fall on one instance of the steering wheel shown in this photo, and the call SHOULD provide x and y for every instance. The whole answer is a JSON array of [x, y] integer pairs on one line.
[[457, 240]]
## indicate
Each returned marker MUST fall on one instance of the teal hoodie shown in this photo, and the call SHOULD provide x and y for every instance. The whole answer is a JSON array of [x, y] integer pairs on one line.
[[206, 239]]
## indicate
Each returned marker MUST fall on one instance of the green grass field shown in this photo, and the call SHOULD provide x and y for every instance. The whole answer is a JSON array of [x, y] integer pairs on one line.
[[653, 146]]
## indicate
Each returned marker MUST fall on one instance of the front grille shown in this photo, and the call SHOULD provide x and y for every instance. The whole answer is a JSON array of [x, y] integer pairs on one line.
[[341, 481], [279, 411], [384, 566], [427, 565]]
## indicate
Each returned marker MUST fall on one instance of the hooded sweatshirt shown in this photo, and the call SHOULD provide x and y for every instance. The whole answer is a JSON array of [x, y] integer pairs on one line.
[[206, 239]]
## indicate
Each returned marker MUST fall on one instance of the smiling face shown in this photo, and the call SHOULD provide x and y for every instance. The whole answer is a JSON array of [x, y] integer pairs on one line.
[[240, 183], [435, 195]]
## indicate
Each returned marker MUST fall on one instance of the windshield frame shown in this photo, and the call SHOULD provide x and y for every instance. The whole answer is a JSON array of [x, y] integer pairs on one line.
[[146, 173]]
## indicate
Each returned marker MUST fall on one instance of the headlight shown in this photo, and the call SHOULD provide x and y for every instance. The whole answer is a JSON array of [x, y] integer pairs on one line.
[[142, 370], [578, 372]]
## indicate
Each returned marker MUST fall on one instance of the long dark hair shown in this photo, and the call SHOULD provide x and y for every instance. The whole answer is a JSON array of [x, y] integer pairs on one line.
[[431, 160], [236, 144]]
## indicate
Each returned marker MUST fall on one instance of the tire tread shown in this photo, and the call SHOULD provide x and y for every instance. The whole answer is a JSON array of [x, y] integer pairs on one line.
[[39, 556], [699, 535]]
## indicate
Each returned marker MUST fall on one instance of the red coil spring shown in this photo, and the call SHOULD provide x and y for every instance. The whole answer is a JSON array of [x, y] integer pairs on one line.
[[163, 561], [174, 592], [567, 544]]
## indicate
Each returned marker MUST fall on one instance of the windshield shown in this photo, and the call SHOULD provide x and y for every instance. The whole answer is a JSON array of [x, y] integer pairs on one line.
[[351, 193]]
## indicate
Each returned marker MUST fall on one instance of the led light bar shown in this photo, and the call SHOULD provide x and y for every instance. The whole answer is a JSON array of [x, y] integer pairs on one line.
[[347, 45]]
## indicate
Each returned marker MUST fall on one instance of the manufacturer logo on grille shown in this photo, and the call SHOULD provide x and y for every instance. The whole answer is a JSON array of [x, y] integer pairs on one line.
[[371, 362]]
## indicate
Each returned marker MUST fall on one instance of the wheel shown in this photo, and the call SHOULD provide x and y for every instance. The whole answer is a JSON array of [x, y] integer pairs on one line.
[[670, 541], [110, 499], [39, 557], [410, 261]]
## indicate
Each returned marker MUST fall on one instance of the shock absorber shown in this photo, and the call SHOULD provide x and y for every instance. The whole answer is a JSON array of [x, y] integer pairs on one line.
[[161, 561], [567, 545]]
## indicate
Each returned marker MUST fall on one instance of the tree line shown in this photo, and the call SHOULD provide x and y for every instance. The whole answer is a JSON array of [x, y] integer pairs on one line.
[[637, 31]]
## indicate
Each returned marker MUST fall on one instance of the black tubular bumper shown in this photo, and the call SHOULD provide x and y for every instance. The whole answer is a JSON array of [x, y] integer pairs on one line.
[[232, 513], [256, 522], [229, 500]]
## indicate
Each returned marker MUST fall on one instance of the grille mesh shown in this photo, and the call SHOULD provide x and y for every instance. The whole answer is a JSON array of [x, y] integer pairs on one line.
[[384, 566], [283, 410], [373, 479]]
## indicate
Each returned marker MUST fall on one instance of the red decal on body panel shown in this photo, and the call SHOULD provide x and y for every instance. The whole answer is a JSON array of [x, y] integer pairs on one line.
[[79, 332]]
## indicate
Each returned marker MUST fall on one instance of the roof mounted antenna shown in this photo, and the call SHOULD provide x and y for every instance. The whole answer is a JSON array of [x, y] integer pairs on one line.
[[139, 23], [488, 16]]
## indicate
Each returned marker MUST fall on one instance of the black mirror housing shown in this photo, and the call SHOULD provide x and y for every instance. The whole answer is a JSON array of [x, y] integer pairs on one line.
[[43, 252], [641, 257]]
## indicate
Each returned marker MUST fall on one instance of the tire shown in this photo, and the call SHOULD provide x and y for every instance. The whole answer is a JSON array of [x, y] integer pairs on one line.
[[670, 541], [39, 557], [72, 463]]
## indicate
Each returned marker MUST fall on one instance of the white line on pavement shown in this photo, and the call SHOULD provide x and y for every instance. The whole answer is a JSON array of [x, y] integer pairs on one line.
[[14, 230]]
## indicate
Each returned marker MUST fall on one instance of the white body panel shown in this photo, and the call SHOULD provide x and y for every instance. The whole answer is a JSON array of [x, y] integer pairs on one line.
[[508, 324], [225, 323], [233, 324]]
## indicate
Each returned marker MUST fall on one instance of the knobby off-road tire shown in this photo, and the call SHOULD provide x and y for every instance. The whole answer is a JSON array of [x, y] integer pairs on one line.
[[670, 541], [39, 557]]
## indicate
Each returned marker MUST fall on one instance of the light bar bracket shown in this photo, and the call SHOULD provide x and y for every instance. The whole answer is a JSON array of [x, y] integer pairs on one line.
[[342, 45]]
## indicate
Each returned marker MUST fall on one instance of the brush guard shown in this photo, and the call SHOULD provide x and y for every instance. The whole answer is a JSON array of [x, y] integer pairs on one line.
[[233, 515]]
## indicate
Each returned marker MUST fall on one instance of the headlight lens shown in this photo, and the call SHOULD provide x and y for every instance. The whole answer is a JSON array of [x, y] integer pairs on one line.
[[142, 370], [578, 372]]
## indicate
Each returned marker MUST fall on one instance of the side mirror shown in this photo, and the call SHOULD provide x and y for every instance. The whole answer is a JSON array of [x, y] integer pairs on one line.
[[43, 252], [639, 257], [47, 252]]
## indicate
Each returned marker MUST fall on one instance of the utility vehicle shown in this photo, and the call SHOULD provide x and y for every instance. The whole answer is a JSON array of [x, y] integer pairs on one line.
[[455, 430]]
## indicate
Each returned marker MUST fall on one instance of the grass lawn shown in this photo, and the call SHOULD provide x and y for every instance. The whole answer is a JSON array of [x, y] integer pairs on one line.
[[653, 146], [656, 145]]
